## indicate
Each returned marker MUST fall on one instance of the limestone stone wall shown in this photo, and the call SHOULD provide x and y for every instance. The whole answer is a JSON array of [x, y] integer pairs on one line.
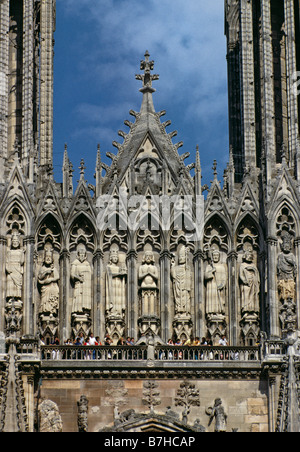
[[244, 402]]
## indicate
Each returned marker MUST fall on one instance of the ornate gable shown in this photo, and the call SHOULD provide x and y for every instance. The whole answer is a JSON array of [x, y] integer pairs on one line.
[[147, 151]]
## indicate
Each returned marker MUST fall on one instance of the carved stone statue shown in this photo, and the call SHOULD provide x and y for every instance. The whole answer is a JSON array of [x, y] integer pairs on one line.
[[83, 405], [13, 317], [249, 283], [148, 279], [14, 268], [286, 269], [81, 275], [50, 419], [182, 283], [216, 280], [48, 278], [116, 276], [217, 412]]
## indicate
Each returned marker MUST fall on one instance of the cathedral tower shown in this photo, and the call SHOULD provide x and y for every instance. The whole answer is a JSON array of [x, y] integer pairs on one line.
[[263, 60], [26, 83]]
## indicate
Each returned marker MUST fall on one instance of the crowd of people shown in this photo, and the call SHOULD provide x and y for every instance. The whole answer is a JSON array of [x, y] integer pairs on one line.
[[93, 341], [90, 340]]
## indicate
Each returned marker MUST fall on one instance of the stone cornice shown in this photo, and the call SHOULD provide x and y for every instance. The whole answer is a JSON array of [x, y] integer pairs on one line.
[[249, 371]]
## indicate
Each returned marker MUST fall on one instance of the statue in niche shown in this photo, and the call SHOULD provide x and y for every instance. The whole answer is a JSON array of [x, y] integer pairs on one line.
[[148, 280], [249, 283], [14, 268], [81, 275], [286, 269], [48, 278], [182, 283], [116, 276], [216, 280]]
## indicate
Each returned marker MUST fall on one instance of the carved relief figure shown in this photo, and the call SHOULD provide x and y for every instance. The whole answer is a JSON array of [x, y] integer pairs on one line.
[[14, 268], [286, 269], [81, 275], [217, 412], [216, 279], [249, 283], [83, 405], [50, 419], [148, 279], [116, 276], [48, 278], [182, 283]]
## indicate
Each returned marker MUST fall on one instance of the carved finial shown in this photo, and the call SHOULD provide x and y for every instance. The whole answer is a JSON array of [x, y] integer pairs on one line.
[[98, 160], [215, 169], [66, 158], [82, 169], [147, 78], [231, 160], [198, 163], [284, 153], [16, 149]]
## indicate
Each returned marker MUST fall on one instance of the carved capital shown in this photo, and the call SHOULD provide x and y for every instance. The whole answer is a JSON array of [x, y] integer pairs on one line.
[[98, 255], [272, 241], [165, 254], [232, 255], [199, 256], [132, 254], [29, 240]]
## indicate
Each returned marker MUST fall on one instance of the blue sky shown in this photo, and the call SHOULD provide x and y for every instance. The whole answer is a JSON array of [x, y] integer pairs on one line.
[[98, 48]]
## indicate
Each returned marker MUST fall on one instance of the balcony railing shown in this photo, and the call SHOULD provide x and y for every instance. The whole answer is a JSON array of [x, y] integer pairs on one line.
[[143, 353], [28, 347]]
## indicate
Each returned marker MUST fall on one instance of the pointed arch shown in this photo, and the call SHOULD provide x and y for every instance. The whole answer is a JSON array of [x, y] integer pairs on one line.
[[248, 229], [217, 230], [81, 229], [49, 230], [15, 216], [278, 210]]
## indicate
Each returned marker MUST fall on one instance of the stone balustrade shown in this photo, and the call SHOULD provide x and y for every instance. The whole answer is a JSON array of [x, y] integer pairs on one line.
[[143, 353]]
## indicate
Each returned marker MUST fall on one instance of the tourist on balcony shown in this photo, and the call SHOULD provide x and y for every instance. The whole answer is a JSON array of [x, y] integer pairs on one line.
[[55, 352], [223, 343], [107, 340], [203, 343]]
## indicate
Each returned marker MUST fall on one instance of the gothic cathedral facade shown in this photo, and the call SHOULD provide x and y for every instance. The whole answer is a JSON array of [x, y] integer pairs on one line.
[[150, 253]]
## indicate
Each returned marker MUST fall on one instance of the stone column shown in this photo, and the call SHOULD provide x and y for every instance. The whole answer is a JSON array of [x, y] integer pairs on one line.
[[262, 262], [4, 70], [64, 312], [28, 311], [132, 291], [297, 249], [98, 308], [272, 403], [28, 81], [166, 308], [268, 87], [291, 68], [3, 246], [247, 68], [272, 293], [47, 28], [233, 329], [28, 384], [199, 308]]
